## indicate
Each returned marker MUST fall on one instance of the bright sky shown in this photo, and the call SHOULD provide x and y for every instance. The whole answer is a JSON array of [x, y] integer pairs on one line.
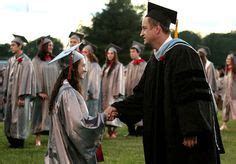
[[35, 18]]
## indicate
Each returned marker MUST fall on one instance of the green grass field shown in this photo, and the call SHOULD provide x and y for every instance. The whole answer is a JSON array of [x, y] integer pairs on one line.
[[122, 150]]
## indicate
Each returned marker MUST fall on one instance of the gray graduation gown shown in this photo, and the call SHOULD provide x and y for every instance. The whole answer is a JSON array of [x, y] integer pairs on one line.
[[73, 135], [19, 81], [113, 85], [133, 75], [229, 98], [93, 90], [46, 75], [211, 75]]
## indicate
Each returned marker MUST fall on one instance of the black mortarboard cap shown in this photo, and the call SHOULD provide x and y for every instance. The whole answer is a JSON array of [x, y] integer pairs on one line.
[[164, 15], [76, 35], [19, 39], [113, 47], [138, 46]]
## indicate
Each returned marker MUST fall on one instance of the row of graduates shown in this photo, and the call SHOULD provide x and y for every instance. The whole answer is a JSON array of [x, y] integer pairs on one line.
[[223, 84], [172, 97], [26, 81]]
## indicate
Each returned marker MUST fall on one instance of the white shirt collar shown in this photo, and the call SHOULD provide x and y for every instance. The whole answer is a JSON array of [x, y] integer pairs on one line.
[[166, 41]]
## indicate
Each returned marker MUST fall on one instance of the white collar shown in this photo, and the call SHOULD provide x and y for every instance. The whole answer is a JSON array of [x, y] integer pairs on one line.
[[166, 41], [65, 81]]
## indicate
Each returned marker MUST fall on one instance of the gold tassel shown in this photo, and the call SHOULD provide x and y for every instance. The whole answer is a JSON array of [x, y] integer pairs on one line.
[[176, 29]]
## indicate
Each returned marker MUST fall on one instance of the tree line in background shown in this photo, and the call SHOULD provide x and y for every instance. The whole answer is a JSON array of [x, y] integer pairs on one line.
[[120, 23]]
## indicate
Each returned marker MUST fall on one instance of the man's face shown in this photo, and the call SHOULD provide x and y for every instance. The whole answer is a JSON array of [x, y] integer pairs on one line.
[[148, 31], [134, 54], [14, 47], [82, 69], [73, 42]]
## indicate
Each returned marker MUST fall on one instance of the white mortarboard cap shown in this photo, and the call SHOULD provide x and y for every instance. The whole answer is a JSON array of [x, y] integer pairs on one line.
[[112, 47], [138, 46], [19, 39], [66, 53]]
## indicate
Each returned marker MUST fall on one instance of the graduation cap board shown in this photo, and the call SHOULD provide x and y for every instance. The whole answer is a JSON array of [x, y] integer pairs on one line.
[[19, 39], [204, 49], [114, 48], [76, 35], [66, 54], [164, 15], [89, 46], [138, 46], [43, 40]]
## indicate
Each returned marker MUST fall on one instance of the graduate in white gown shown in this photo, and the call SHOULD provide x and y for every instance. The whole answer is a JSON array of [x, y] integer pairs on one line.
[[133, 75], [113, 88], [229, 98], [94, 73], [20, 88], [46, 76], [74, 135]]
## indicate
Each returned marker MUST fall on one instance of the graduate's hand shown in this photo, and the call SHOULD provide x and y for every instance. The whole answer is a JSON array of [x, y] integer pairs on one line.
[[43, 96], [110, 113], [21, 102], [190, 141]]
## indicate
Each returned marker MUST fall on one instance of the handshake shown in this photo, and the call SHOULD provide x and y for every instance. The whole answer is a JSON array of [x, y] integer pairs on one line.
[[110, 113]]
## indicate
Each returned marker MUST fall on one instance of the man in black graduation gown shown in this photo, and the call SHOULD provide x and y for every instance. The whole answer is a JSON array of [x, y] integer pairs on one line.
[[173, 98]]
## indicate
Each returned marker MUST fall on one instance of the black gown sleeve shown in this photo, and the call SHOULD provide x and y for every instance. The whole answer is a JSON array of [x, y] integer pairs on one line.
[[130, 110], [191, 93]]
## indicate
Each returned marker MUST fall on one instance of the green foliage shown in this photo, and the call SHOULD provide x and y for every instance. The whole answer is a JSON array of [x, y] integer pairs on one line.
[[119, 23], [192, 38], [220, 45], [4, 51]]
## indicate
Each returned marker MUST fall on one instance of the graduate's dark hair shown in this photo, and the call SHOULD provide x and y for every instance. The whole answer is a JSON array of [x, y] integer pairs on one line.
[[154, 22], [74, 82], [112, 63], [43, 51], [133, 48], [233, 59], [92, 57], [18, 44]]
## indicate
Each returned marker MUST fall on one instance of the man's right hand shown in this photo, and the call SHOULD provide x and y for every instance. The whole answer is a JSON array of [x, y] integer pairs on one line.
[[111, 113]]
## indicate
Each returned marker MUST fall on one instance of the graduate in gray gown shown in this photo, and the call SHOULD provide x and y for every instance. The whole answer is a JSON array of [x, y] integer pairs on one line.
[[74, 135], [134, 72], [113, 88], [20, 88], [46, 76], [78, 38], [94, 79], [229, 96], [209, 68]]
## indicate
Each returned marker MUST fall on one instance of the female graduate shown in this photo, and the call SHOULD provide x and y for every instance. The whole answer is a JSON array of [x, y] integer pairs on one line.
[[74, 135]]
